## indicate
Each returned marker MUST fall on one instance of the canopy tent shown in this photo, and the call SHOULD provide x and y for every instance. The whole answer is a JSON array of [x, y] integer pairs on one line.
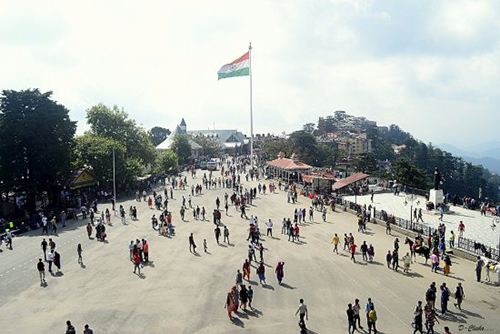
[[288, 169], [350, 180]]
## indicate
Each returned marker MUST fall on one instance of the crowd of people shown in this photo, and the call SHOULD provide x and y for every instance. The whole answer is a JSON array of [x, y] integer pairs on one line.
[[234, 179]]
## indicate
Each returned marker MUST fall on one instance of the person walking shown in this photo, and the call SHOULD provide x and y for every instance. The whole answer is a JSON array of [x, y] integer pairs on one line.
[[417, 318], [368, 307], [269, 225], [50, 258], [89, 230], [229, 305], [243, 297], [406, 262], [445, 297], [447, 265], [226, 234], [364, 251], [395, 260], [352, 248], [145, 249], [217, 233], [459, 296], [137, 261], [239, 278], [357, 308], [41, 270], [246, 270], [44, 247], [79, 250], [302, 312], [261, 271], [205, 247], [372, 319], [280, 273], [57, 261], [250, 296], [192, 245], [87, 330], [335, 242], [69, 328], [430, 319], [479, 268], [388, 259], [351, 323]]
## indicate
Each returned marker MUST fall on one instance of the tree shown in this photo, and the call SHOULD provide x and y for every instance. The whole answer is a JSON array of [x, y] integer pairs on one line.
[[365, 163], [182, 148], [114, 123], [167, 161], [158, 134], [407, 173], [309, 128], [271, 149], [304, 144], [36, 139], [96, 152], [210, 147]]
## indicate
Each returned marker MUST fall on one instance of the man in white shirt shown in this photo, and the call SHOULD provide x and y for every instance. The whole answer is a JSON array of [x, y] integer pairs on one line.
[[50, 257], [269, 225], [302, 311]]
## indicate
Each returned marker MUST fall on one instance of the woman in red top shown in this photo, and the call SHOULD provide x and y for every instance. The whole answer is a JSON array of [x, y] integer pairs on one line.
[[137, 260], [296, 231], [246, 269]]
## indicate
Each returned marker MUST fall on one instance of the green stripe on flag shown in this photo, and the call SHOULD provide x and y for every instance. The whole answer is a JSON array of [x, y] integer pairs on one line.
[[242, 72]]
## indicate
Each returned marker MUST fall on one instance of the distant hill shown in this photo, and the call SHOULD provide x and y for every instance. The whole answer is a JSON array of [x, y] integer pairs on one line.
[[489, 158]]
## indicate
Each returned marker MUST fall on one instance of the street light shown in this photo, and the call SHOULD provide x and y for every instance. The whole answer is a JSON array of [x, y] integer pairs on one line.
[[411, 198]]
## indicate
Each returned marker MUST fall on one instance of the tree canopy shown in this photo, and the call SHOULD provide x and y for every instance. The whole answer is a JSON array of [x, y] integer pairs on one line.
[[182, 148], [210, 147], [111, 127], [158, 134], [36, 139]]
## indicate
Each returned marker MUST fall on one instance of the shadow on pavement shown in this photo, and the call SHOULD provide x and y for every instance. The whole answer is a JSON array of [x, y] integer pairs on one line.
[[288, 286], [237, 322]]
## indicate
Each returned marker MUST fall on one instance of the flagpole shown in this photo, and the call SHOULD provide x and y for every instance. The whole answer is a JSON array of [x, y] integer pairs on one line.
[[251, 112]]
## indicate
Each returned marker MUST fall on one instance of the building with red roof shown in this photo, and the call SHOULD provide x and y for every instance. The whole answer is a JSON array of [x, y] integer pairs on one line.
[[289, 169]]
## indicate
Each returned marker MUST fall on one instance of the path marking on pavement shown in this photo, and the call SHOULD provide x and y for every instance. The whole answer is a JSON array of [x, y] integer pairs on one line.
[[380, 302]]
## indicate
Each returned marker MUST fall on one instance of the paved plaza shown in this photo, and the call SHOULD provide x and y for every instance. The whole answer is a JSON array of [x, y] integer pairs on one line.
[[181, 292], [477, 227]]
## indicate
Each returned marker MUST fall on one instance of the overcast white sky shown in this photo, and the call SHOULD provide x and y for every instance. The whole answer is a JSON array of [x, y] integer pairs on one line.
[[432, 67]]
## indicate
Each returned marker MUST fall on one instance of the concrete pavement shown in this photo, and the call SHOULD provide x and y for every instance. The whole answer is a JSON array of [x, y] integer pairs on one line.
[[184, 293]]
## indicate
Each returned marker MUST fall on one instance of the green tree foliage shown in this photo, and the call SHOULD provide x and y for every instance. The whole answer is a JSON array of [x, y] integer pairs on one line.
[[111, 127], [210, 147], [96, 152], [271, 149], [158, 134], [167, 162], [114, 123], [36, 139], [408, 174], [304, 144], [459, 177], [327, 156], [365, 163], [309, 128], [182, 148]]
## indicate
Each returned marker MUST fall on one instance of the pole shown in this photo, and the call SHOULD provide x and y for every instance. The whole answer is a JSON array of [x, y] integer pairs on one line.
[[114, 182], [251, 112]]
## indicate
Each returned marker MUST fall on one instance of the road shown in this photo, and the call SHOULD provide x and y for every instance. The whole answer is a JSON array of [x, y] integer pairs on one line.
[[185, 293]]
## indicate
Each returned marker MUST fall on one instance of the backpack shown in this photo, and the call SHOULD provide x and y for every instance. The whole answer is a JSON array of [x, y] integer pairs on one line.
[[70, 330]]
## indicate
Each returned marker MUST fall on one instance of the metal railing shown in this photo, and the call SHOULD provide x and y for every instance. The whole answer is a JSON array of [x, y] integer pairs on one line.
[[464, 244]]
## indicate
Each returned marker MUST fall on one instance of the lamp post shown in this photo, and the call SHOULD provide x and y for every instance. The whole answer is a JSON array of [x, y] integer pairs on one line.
[[114, 183], [411, 198]]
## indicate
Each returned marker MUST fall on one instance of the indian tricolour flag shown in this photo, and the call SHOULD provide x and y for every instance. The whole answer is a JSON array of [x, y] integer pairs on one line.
[[237, 68]]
